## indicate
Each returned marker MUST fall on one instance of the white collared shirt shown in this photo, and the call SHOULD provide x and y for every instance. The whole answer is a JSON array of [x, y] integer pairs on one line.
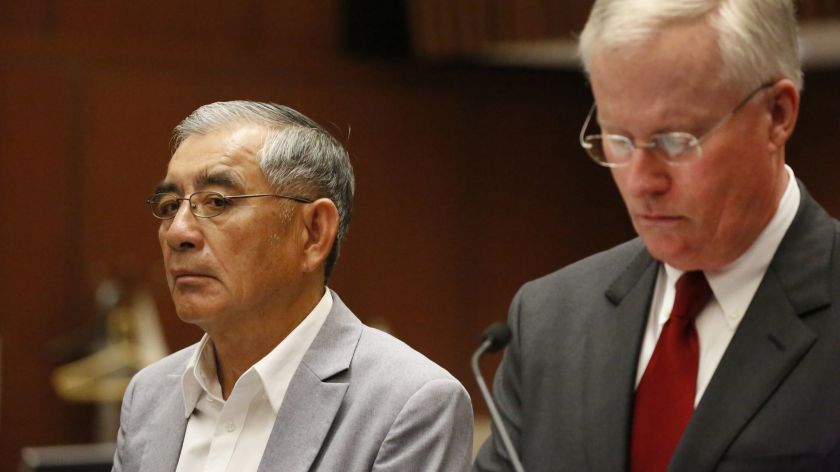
[[733, 289], [231, 435]]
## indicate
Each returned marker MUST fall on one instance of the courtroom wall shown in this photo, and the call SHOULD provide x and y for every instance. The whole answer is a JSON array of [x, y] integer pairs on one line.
[[470, 180]]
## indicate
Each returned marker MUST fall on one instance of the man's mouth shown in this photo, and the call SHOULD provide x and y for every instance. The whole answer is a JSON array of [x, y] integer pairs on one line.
[[657, 218], [179, 275]]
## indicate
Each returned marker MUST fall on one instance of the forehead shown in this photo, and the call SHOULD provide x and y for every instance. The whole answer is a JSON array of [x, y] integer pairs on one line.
[[228, 157], [670, 80]]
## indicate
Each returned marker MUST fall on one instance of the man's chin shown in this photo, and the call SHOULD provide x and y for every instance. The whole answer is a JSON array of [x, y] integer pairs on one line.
[[197, 313], [670, 251]]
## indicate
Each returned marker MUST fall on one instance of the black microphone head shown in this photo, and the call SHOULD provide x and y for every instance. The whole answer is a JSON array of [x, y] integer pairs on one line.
[[498, 334]]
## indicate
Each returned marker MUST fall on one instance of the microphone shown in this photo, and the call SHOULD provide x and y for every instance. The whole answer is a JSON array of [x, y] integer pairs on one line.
[[494, 339]]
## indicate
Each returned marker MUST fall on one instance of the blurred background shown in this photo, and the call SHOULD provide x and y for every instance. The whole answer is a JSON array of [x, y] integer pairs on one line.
[[461, 118]]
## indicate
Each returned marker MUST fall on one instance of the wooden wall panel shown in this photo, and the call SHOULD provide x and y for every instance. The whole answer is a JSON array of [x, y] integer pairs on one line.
[[813, 151], [470, 180], [38, 255]]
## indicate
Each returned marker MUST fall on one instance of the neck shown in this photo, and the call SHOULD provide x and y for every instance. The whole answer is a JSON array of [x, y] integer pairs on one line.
[[257, 334]]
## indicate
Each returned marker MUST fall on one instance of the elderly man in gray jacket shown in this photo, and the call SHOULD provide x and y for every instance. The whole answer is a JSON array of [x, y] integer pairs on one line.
[[286, 377]]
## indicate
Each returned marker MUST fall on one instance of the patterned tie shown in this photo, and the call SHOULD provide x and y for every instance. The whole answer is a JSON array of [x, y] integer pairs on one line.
[[665, 396]]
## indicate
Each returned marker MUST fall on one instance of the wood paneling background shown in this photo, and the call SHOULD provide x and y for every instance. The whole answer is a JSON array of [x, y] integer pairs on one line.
[[470, 180]]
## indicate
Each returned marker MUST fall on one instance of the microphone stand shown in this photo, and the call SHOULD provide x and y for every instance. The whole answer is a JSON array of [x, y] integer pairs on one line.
[[491, 405]]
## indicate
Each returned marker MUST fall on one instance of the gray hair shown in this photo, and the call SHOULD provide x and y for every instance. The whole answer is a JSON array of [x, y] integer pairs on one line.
[[757, 38], [297, 155]]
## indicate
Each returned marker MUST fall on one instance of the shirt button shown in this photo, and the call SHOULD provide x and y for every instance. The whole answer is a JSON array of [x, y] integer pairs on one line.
[[230, 427]]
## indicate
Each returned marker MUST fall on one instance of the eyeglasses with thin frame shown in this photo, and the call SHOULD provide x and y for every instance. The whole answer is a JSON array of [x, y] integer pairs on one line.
[[676, 147], [204, 204]]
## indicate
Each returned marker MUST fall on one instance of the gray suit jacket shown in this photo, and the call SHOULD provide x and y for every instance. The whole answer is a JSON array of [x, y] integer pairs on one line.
[[360, 400], [566, 383]]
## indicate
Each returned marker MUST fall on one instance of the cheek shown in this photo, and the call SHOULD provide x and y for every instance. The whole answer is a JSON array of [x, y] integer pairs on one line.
[[268, 253], [619, 177], [709, 204], [277, 249], [724, 191], [164, 247]]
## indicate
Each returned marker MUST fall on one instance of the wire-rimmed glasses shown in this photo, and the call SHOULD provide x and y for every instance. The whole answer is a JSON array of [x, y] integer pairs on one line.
[[676, 147], [204, 204]]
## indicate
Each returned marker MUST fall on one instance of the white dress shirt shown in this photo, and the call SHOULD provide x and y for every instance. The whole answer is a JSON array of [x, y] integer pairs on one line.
[[733, 289], [231, 435]]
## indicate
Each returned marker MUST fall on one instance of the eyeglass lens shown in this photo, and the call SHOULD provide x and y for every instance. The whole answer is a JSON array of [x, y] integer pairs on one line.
[[616, 149], [202, 204]]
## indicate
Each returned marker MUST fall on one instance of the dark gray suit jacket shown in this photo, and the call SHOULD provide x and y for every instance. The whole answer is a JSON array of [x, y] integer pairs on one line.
[[566, 383], [360, 400]]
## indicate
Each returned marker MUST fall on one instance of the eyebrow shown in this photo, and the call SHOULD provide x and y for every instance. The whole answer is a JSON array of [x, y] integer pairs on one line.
[[222, 179], [203, 180], [166, 187]]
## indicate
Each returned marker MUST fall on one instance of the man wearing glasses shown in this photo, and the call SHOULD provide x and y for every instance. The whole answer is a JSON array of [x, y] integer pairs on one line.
[[255, 203], [711, 342]]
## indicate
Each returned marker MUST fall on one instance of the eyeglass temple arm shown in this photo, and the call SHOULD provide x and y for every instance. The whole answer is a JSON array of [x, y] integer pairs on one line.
[[740, 105], [287, 197], [297, 199], [583, 143]]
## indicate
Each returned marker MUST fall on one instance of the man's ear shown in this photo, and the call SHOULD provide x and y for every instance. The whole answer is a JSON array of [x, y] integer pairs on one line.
[[784, 110], [320, 219]]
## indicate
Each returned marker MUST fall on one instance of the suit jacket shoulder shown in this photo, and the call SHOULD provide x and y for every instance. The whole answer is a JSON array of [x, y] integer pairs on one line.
[[152, 420], [569, 367], [587, 279], [387, 363]]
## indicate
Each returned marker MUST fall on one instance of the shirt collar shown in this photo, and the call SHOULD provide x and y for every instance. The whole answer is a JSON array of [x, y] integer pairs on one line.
[[200, 375], [735, 285], [278, 366], [275, 370]]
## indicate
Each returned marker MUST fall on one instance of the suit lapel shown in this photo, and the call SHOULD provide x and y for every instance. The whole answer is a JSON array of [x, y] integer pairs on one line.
[[611, 355], [169, 426], [313, 400], [769, 343], [302, 423]]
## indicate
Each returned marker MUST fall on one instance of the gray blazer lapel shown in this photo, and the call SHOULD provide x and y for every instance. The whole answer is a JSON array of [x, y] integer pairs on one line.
[[169, 426], [770, 341], [612, 350], [312, 400]]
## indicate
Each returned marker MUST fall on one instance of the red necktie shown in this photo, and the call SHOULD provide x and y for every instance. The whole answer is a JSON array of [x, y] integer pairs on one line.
[[665, 396]]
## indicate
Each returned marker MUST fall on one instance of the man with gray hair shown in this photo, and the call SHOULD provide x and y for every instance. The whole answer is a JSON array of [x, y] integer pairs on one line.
[[286, 377], [712, 341]]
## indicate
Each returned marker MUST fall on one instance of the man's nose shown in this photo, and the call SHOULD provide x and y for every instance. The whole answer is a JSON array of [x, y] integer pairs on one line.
[[184, 231], [647, 174]]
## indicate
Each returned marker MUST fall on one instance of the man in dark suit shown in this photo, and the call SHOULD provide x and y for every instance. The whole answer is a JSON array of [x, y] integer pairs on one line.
[[711, 342]]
